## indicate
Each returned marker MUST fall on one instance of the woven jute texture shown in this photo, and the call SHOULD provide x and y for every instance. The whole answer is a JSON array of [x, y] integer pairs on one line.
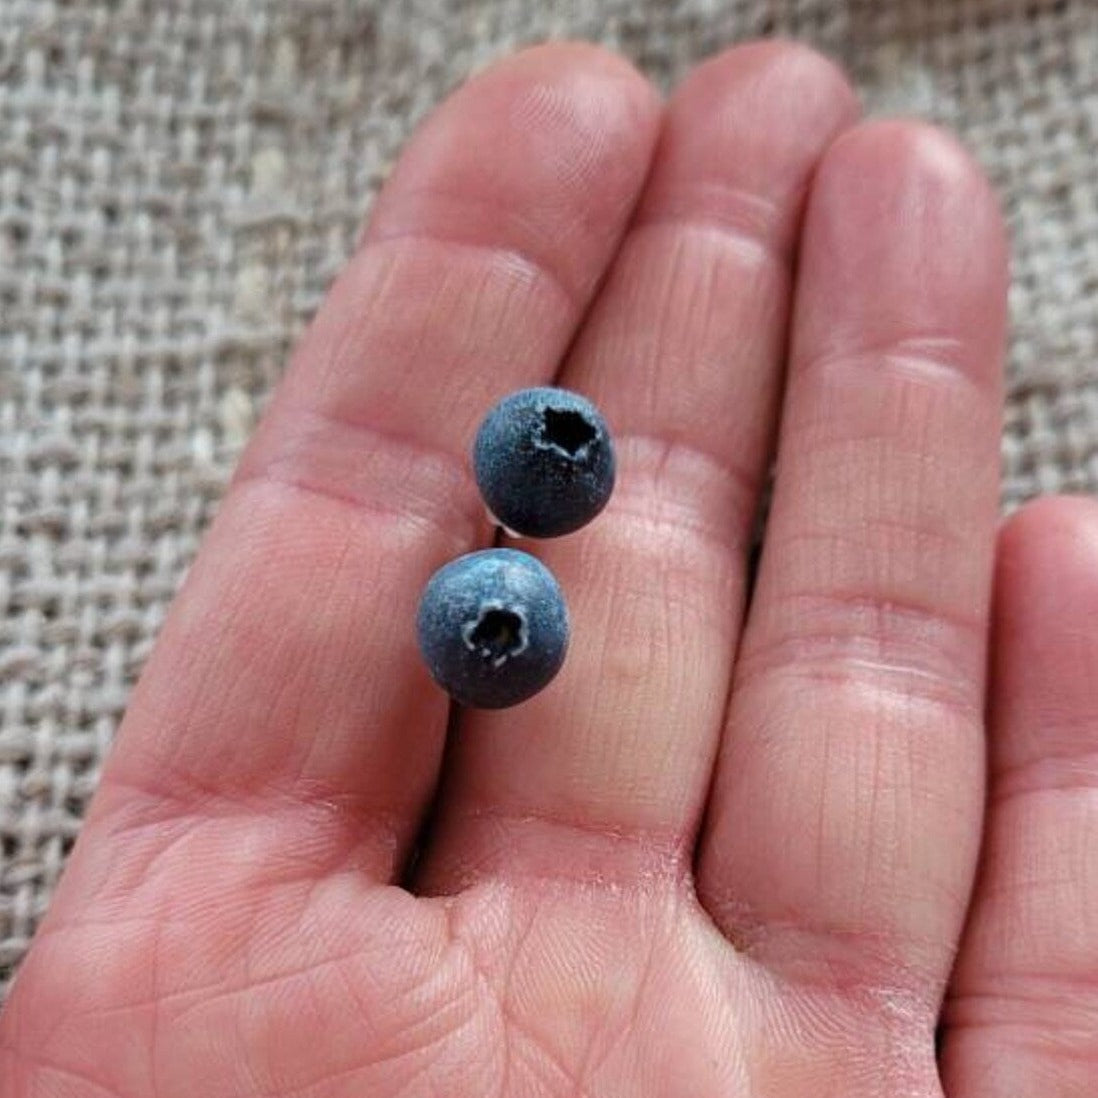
[[180, 179]]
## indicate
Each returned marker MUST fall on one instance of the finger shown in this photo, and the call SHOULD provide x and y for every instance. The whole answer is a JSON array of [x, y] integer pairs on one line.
[[288, 671], [845, 812], [1022, 1015], [606, 771]]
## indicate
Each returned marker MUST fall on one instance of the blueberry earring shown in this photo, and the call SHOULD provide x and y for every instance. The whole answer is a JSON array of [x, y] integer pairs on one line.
[[493, 625], [543, 462]]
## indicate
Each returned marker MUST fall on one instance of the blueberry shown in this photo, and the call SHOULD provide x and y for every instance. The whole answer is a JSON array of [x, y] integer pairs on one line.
[[544, 462], [493, 627]]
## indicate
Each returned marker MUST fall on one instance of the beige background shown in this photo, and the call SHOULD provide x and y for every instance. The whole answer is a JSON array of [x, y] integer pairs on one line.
[[179, 181]]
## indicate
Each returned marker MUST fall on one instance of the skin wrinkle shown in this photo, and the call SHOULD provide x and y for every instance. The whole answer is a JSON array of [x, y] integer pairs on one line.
[[159, 999], [754, 226], [506, 990], [702, 305], [672, 276], [335, 352], [674, 464], [282, 702], [926, 359], [203, 997], [545, 1053], [1063, 785], [460, 518], [80, 1078], [691, 363], [250, 657], [1054, 770], [411, 1041], [849, 656], [527, 269], [333, 815], [397, 1053], [664, 855], [1016, 995]]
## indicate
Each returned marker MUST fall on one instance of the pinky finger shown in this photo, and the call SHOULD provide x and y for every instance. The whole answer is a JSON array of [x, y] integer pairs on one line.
[[1022, 1015]]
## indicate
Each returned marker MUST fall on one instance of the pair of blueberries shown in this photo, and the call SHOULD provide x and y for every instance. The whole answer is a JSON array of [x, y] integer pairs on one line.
[[493, 625]]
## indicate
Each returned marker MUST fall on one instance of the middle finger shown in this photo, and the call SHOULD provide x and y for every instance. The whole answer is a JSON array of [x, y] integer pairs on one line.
[[606, 771]]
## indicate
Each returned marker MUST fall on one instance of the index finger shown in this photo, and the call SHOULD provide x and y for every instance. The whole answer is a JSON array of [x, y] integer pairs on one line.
[[288, 669]]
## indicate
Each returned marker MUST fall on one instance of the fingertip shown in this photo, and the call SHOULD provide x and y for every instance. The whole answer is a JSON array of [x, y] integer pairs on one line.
[[1061, 517], [1048, 560], [911, 145], [905, 246], [780, 64], [605, 91], [565, 58], [564, 129], [917, 168], [742, 137]]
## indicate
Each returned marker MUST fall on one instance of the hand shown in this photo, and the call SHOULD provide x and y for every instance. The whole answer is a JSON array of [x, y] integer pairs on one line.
[[729, 851]]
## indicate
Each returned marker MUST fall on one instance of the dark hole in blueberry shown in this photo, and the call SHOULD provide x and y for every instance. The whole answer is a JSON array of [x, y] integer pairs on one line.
[[571, 431], [498, 633]]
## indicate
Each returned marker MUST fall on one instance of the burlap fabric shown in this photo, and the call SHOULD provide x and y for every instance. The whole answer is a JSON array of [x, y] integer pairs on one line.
[[180, 179]]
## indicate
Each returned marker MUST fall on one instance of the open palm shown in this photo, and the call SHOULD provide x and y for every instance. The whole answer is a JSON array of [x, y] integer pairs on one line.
[[708, 861]]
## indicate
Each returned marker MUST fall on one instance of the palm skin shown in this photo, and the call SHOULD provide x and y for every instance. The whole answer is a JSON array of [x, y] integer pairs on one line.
[[734, 849], [299, 983]]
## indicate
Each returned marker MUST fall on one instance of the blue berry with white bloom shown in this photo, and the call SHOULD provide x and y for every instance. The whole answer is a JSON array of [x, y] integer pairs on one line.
[[544, 462], [493, 627]]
